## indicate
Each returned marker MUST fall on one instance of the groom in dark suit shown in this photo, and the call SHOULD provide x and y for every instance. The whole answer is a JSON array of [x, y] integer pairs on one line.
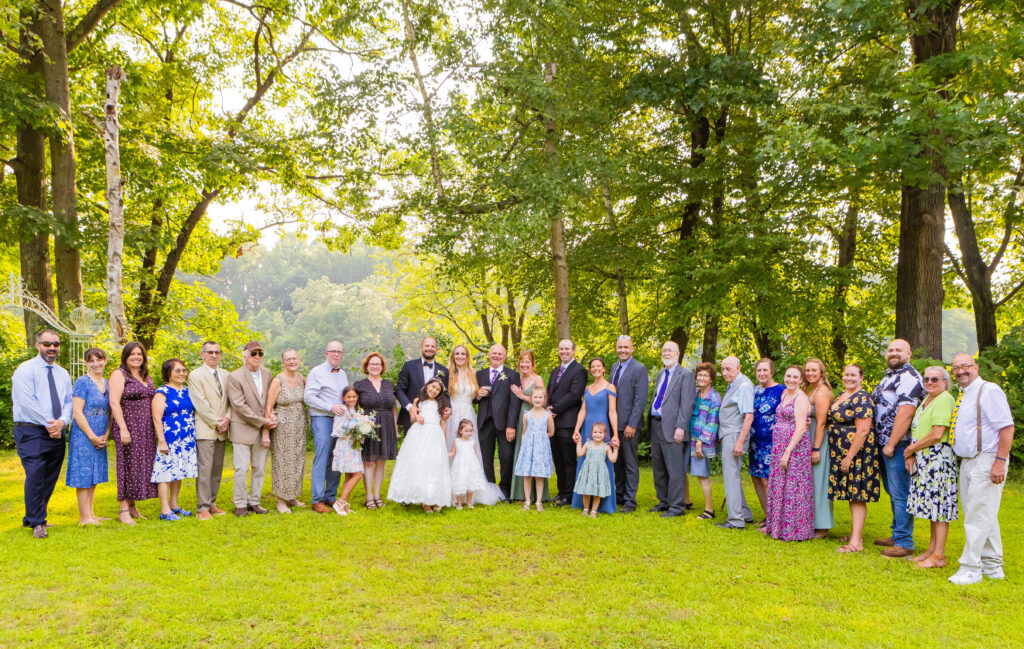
[[565, 395], [496, 418], [414, 375]]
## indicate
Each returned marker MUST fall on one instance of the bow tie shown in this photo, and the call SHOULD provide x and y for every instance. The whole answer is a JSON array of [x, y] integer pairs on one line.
[[426, 364], [335, 370]]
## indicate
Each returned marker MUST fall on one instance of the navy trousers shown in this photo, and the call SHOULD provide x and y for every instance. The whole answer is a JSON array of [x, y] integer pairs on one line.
[[42, 457]]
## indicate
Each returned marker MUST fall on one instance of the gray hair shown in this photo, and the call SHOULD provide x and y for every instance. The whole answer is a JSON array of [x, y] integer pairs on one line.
[[943, 372]]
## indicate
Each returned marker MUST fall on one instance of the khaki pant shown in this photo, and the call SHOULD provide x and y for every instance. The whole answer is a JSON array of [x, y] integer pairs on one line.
[[252, 456], [210, 458], [983, 547]]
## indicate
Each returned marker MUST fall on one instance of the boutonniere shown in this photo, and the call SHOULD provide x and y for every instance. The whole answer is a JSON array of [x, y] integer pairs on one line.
[[440, 372], [501, 377]]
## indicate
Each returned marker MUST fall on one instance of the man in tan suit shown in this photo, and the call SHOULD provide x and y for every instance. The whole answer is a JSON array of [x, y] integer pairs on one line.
[[207, 385], [247, 392]]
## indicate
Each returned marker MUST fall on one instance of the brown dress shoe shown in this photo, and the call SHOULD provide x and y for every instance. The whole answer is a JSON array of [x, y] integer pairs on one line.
[[885, 543], [256, 509], [241, 511], [896, 552], [321, 508], [204, 516], [217, 511], [39, 532]]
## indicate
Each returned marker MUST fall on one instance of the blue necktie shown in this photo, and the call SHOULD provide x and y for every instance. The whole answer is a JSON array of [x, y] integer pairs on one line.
[[615, 379], [54, 398], [661, 391]]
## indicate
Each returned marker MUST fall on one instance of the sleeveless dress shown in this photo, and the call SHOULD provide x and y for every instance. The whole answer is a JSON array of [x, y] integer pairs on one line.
[[346, 459], [597, 411], [790, 515], [823, 516], [766, 400], [462, 408], [467, 473], [863, 483], [535, 453], [382, 406], [422, 475], [592, 478], [517, 479], [87, 465], [135, 460], [179, 423], [288, 442]]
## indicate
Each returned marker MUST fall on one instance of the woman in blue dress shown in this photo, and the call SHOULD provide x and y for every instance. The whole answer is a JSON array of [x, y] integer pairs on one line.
[[90, 430], [767, 395], [598, 406], [174, 420]]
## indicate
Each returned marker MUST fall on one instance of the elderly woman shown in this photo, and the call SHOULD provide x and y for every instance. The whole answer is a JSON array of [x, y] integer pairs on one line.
[[288, 441], [854, 474], [377, 398], [704, 433], [932, 466], [767, 395], [174, 420]]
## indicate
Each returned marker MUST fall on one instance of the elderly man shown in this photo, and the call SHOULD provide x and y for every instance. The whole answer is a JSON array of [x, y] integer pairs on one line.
[[735, 417], [565, 396], [669, 424], [206, 387], [629, 377], [896, 399], [496, 418], [981, 434], [41, 396], [413, 376], [323, 396], [247, 392]]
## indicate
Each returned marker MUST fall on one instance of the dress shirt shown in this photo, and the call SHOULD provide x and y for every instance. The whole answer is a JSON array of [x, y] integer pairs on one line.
[[995, 415], [737, 403], [257, 378], [30, 392], [491, 371], [622, 370], [428, 372], [323, 389], [665, 378]]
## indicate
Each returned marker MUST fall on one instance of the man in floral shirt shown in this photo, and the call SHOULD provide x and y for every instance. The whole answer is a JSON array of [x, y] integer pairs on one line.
[[896, 399]]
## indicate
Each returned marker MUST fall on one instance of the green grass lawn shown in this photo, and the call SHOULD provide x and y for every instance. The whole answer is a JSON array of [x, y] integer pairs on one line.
[[490, 577]]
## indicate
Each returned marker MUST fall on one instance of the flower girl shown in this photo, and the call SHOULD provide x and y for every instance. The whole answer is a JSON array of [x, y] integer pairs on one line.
[[534, 463], [349, 429], [421, 475], [467, 474], [593, 482]]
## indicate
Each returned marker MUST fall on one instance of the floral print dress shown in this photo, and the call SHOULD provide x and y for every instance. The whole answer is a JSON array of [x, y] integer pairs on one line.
[[790, 515], [766, 400], [863, 483]]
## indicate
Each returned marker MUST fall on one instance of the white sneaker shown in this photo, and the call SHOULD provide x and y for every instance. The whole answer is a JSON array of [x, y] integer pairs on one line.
[[996, 573], [965, 576]]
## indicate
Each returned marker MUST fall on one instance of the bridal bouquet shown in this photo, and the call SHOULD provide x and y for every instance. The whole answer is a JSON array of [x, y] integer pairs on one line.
[[358, 428]]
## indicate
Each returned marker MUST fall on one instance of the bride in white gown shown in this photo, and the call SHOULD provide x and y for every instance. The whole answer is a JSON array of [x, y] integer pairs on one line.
[[462, 387], [422, 474]]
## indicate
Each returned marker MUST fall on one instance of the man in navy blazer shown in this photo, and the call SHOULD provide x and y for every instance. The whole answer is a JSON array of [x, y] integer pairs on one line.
[[629, 376], [497, 415], [565, 395], [414, 375]]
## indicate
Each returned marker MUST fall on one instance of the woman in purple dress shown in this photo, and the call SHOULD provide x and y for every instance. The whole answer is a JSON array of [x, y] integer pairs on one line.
[[131, 397], [790, 511]]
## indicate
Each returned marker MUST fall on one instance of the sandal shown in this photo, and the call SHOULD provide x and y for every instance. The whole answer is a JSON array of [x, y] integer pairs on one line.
[[707, 515], [121, 517], [847, 549], [540, 507], [371, 504], [380, 503], [526, 507], [932, 562], [593, 514]]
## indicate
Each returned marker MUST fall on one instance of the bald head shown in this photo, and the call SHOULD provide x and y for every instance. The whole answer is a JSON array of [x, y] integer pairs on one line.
[[965, 369], [730, 368], [898, 354], [496, 355], [333, 353], [670, 354]]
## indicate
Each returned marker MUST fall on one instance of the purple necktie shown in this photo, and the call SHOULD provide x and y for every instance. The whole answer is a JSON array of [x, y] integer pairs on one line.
[[561, 371], [661, 392], [494, 376]]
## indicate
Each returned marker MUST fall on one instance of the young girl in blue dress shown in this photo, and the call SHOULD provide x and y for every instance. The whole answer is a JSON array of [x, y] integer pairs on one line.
[[535, 464], [592, 481]]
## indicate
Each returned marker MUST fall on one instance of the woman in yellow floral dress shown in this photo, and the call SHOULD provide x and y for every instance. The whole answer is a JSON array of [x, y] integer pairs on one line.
[[854, 474]]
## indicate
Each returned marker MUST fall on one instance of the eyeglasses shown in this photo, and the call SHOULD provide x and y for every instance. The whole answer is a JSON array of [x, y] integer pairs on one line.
[[932, 379], [48, 343], [212, 352], [256, 352], [957, 368], [334, 351]]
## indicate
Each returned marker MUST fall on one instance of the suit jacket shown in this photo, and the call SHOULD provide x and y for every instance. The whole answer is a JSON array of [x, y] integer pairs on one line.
[[246, 405], [410, 382], [677, 407], [208, 404], [500, 406], [566, 396], [631, 394]]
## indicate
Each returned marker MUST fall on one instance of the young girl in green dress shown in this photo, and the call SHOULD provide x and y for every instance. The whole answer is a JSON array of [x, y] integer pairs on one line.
[[593, 482]]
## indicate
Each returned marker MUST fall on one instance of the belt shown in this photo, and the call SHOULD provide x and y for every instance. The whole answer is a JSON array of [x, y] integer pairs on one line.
[[655, 418], [25, 423]]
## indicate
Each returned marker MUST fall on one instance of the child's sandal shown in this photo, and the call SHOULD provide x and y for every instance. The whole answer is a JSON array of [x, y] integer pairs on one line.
[[526, 507], [593, 514], [540, 507]]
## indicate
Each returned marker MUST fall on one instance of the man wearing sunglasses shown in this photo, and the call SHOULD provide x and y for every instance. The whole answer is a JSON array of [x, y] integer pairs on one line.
[[247, 392], [41, 395]]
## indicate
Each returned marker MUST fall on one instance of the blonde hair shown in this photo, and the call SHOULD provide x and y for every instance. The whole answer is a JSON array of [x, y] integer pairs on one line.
[[824, 375], [453, 373]]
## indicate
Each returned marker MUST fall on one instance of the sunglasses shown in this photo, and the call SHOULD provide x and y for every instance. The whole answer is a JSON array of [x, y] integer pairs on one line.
[[256, 352], [47, 343], [931, 379]]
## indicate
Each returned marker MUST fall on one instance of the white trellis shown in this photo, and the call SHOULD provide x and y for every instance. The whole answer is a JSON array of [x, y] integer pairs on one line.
[[16, 298]]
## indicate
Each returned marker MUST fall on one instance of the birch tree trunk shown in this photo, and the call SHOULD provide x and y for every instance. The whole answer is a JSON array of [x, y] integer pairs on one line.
[[559, 261], [115, 203]]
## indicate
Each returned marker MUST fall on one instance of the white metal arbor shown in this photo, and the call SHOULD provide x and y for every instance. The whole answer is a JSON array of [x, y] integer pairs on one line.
[[16, 298]]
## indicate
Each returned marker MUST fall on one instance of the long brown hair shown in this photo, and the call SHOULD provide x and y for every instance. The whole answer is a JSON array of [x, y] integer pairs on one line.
[[806, 386], [453, 372]]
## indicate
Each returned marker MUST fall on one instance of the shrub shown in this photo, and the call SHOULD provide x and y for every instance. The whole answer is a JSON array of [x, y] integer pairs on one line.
[[1004, 365]]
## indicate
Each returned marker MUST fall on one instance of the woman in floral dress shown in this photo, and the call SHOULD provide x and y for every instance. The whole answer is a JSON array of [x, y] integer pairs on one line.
[[790, 514]]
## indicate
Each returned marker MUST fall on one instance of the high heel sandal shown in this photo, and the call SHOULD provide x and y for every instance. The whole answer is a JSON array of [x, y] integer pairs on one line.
[[709, 514], [380, 503], [371, 504]]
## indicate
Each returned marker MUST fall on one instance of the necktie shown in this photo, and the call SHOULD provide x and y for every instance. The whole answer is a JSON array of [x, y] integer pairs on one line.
[[952, 418], [494, 376], [220, 388], [661, 390], [561, 371], [54, 398], [618, 372]]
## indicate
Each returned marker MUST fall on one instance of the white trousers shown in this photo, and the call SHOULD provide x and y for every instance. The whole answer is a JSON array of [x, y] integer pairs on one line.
[[983, 547], [244, 457]]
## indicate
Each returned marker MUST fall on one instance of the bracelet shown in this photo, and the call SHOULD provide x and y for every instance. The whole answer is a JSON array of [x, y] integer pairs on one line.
[[1001, 458], [816, 449]]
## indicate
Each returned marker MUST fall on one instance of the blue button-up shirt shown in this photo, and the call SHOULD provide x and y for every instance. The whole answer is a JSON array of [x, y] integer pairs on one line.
[[323, 389], [30, 392]]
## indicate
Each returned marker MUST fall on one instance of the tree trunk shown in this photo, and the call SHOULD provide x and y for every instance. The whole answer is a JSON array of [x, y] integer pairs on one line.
[[681, 336], [846, 240], [919, 291], [559, 260], [709, 349], [768, 345], [428, 113], [620, 278], [115, 205]]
